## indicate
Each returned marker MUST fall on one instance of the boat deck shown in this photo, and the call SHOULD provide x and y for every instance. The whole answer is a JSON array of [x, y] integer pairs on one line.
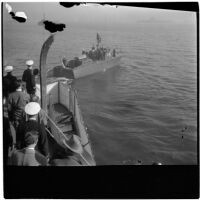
[[64, 121]]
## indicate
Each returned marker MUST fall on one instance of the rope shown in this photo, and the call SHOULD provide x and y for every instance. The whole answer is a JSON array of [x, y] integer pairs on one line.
[[64, 137], [49, 132], [84, 159]]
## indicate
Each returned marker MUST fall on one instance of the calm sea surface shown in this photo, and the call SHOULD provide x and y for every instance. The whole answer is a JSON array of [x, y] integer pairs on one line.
[[144, 109]]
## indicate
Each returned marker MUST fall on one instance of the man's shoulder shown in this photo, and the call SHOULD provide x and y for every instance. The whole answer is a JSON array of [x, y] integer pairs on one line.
[[26, 71], [16, 94], [13, 94], [24, 94], [18, 153], [5, 77], [13, 77]]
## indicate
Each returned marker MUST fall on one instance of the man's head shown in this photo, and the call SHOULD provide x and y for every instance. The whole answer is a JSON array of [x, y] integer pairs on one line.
[[17, 84], [31, 138], [36, 72], [29, 63], [8, 69]]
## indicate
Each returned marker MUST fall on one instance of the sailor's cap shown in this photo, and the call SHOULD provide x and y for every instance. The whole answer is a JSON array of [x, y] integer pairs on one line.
[[32, 108], [29, 62], [9, 68]]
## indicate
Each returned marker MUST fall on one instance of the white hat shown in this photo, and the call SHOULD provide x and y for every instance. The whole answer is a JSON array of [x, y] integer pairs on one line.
[[29, 62], [32, 108], [8, 68]]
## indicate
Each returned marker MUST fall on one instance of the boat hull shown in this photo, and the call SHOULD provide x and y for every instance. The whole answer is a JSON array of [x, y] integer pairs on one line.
[[92, 67]]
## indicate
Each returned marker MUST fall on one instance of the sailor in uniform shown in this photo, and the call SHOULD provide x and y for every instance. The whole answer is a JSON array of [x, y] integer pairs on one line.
[[32, 109], [8, 81], [29, 78], [17, 101]]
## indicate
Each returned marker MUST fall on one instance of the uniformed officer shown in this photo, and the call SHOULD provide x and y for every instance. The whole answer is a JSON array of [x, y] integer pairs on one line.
[[29, 78], [8, 81], [32, 109]]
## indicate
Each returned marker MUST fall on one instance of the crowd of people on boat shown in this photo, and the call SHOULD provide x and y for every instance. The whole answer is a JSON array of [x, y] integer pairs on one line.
[[95, 54], [24, 130], [99, 53], [24, 122]]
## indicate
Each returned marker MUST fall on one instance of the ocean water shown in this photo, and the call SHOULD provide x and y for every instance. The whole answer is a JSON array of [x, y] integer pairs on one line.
[[143, 110]]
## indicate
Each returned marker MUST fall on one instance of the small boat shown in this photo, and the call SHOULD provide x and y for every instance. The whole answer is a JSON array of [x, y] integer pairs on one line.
[[68, 137], [90, 62], [89, 66]]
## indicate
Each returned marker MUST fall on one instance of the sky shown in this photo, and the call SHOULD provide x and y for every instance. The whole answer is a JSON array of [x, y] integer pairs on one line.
[[102, 15]]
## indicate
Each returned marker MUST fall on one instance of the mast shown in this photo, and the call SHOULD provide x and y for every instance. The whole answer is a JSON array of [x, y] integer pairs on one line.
[[43, 70]]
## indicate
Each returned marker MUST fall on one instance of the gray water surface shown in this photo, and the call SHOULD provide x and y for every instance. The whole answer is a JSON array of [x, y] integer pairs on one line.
[[144, 109]]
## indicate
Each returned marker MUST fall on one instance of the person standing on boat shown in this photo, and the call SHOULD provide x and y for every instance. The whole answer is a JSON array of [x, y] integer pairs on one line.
[[32, 109], [93, 54], [29, 156], [17, 101], [36, 74], [29, 78], [8, 81], [108, 52]]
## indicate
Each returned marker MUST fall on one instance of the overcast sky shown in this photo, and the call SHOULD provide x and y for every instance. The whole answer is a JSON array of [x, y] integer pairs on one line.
[[98, 14]]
